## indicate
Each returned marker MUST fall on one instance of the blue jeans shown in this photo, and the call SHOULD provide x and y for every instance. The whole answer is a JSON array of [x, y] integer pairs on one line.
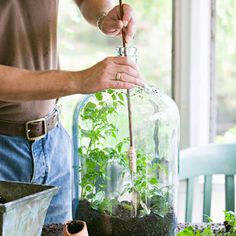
[[44, 161]]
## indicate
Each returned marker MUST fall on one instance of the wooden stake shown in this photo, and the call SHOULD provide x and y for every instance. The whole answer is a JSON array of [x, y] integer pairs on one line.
[[131, 153]]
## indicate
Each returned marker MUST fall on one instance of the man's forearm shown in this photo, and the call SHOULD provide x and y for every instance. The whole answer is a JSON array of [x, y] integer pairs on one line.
[[19, 84], [92, 9]]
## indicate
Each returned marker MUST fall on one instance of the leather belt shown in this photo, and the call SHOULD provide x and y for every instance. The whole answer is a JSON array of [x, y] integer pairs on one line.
[[31, 130]]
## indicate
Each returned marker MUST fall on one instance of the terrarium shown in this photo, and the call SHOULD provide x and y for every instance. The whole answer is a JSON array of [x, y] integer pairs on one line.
[[128, 154]]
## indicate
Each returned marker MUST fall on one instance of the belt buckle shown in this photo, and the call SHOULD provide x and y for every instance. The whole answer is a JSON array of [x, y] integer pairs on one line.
[[27, 130]]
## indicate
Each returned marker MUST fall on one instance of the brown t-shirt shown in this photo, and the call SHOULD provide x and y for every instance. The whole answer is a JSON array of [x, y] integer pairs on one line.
[[28, 40]]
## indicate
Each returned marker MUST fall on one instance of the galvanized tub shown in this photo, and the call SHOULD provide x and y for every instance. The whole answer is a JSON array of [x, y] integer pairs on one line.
[[25, 209]]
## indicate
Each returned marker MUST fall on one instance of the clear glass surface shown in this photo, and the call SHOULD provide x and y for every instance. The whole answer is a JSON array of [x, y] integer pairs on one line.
[[130, 183]]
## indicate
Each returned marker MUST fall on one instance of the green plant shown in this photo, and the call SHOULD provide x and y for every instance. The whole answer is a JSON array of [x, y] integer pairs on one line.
[[105, 164], [230, 223], [229, 230], [190, 231], [94, 153]]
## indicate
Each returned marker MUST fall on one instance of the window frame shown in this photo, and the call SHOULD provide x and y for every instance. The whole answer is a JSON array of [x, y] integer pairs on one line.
[[193, 69]]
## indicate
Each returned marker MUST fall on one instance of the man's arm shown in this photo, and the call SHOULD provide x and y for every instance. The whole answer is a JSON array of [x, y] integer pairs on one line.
[[25, 85], [18, 84]]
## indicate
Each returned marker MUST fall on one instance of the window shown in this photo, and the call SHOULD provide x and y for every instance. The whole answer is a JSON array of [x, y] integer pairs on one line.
[[204, 82], [225, 71], [204, 70]]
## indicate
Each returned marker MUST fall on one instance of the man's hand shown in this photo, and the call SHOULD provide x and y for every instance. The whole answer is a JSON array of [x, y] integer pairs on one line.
[[103, 75], [112, 24]]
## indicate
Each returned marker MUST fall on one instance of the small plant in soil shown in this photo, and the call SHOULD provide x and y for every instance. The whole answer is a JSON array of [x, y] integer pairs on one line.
[[107, 189]]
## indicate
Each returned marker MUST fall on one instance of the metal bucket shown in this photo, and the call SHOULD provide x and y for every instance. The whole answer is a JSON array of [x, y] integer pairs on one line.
[[25, 209]]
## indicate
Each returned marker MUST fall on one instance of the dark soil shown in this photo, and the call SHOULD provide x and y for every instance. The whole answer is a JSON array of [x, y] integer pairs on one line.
[[52, 230], [151, 225], [56, 229], [105, 225], [2, 200]]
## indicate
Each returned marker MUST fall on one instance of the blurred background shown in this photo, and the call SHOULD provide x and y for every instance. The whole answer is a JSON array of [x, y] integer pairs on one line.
[[226, 70]]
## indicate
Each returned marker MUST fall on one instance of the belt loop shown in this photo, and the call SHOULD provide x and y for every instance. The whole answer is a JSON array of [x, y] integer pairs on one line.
[[58, 109]]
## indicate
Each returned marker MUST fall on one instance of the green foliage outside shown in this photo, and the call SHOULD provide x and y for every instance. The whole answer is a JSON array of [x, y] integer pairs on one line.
[[228, 230], [190, 231]]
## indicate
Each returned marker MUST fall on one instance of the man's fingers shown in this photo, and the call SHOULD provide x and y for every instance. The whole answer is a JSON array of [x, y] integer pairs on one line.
[[112, 25], [121, 85], [121, 69], [112, 72], [127, 13], [130, 30], [127, 70], [130, 79]]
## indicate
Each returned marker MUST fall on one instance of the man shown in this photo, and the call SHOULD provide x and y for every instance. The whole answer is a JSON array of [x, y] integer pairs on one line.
[[34, 147]]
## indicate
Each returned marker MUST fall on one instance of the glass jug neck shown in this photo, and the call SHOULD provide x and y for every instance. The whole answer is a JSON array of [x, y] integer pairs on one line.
[[127, 51]]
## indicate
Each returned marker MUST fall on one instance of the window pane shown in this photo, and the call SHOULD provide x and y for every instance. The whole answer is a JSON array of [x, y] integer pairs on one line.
[[81, 45], [226, 70]]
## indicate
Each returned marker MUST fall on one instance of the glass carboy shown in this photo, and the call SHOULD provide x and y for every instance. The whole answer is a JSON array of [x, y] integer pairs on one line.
[[128, 151]]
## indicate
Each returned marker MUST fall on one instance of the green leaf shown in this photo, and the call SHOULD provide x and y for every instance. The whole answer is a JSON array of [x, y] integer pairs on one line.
[[99, 96], [119, 146], [145, 210], [229, 216], [207, 231], [113, 97], [153, 181], [198, 233], [90, 105], [110, 91], [106, 206], [188, 231], [121, 96]]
